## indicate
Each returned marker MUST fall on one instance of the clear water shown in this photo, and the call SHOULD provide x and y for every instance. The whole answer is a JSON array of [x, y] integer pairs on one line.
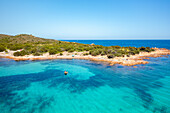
[[89, 87]]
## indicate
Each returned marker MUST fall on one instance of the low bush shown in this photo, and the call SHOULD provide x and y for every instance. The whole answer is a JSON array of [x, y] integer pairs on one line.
[[94, 53], [103, 53], [142, 48], [71, 50], [2, 48], [61, 54], [110, 56], [17, 54], [118, 54], [43, 50], [86, 54], [132, 53], [109, 51], [137, 52], [37, 54], [21, 53], [52, 52], [15, 47], [33, 50]]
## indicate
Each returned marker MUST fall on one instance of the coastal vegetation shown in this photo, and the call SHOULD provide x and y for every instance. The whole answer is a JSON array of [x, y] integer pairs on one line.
[[29, 44]]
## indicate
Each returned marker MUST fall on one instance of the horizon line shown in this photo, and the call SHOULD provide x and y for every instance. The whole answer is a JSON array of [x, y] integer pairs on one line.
[[57, 38]]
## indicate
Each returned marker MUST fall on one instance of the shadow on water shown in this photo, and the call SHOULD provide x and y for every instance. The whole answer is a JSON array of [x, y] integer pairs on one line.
[[4, 62]]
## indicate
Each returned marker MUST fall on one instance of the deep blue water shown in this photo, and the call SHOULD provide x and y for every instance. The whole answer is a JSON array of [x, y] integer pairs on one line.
[[89, 87], [126, 43]]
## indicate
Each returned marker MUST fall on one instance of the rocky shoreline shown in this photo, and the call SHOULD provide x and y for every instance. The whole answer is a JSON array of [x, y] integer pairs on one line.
[[125, 61]]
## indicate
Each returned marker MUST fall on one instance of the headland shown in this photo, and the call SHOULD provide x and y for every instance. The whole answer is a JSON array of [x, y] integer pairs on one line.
[[28, 47]]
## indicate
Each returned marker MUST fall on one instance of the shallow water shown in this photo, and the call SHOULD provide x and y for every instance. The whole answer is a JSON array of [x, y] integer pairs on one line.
[[89, 87]]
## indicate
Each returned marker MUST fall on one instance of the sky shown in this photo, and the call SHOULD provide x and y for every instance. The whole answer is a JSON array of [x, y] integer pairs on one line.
[[86, 19]]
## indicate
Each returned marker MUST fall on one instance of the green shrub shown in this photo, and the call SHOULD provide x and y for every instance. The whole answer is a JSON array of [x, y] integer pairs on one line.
[[118, 54], [33, 50], [90, 51], [103, 53], [21, 53], [117, 47], [86, 49], [53, 51], [122, 52], [136, 51], [17, 54], [94, 53], [2, 48], [71, 50], [79, 49], [15, 47], [68, 48], [132, 48], [37, 54], [86, 54], [43, 50], [148, 48], [61, 54], [142, 48], [114, 52], [27, 47], [110, 56], [132, 53], [59, 49], [109, 51]]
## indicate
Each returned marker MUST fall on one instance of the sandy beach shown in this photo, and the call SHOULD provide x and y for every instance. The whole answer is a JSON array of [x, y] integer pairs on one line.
[[125, 61]]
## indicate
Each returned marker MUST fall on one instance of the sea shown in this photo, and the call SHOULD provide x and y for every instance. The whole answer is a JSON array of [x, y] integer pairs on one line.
[[89, 87]]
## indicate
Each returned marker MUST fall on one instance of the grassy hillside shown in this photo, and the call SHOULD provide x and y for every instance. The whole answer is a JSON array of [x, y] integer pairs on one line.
[[37, 46], [23, 38]]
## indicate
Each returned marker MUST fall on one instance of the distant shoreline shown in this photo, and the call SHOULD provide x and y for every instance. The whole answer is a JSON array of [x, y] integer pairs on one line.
[[125, 61]]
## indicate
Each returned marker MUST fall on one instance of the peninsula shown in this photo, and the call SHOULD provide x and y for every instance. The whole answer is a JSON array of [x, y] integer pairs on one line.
[[28, 47]]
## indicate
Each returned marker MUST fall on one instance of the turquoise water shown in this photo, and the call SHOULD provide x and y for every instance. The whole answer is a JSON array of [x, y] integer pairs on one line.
[[89, 87]]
